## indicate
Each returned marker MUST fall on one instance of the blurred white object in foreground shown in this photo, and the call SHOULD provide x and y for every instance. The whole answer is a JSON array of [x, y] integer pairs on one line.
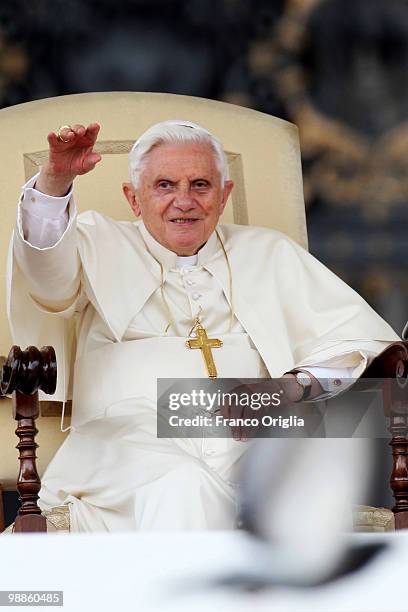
[[298, 496]]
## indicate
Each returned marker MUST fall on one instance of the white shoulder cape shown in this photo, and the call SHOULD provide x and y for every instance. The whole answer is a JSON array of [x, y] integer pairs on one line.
[[295, 310]]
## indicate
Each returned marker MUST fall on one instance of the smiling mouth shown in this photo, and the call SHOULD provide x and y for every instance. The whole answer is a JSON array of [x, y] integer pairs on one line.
[[182, 221]]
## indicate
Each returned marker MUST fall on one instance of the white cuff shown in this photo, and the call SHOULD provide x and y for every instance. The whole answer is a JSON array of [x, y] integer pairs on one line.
[[43, 219], [42, 205], [332, 380]]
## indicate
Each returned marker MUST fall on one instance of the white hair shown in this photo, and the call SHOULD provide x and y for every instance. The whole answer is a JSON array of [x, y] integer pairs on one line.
[[173, 131]]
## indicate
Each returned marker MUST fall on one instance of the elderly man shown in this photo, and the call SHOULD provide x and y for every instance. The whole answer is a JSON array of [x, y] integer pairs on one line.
[[122, 299]]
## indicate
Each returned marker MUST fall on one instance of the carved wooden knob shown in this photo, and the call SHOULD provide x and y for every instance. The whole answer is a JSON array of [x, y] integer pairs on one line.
[[29, 371]]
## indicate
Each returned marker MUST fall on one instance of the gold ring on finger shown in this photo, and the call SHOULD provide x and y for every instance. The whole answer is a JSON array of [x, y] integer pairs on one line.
[[59, 135]]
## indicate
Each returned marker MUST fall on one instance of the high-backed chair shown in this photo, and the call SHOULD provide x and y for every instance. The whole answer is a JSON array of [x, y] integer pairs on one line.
[[264, 161]]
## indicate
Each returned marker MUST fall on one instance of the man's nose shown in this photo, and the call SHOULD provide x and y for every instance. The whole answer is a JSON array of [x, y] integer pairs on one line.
[[183, 200]]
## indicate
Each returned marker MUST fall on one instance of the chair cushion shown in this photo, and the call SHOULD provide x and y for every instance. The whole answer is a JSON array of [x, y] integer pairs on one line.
[[58, 520], [369, 518]]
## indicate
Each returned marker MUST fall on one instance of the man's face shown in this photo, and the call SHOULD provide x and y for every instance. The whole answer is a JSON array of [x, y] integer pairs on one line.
[[180, 196]]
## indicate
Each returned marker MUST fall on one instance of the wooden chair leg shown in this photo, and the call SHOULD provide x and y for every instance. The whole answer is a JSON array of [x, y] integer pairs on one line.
[[2, 526], [26, 411], [391, 369], [22, 375], [399, 475]]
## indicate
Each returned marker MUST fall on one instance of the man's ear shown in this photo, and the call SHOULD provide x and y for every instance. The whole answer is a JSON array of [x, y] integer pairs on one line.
[[228, 185], [130, 194]]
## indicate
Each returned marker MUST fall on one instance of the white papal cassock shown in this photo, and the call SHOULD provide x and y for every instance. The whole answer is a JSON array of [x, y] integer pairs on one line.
[[96, 297]]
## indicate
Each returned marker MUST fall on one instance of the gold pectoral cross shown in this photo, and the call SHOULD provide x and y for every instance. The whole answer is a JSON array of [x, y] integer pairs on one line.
[[205, 344]]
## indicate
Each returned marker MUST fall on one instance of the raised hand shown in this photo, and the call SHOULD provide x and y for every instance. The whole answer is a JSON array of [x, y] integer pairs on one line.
[[68, 158]]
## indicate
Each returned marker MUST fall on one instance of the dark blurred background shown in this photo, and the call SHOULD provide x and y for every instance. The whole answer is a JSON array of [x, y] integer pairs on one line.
[[337, 68]]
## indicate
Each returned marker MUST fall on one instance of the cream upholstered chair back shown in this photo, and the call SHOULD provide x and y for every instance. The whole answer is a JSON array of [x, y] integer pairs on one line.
[[263, 156]]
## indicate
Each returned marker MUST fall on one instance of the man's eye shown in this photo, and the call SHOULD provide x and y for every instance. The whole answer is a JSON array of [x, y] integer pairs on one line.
[[164, 184], [201, 184]]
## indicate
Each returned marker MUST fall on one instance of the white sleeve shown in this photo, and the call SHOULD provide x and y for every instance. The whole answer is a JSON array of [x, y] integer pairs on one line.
[[332, 380], [44, 218], [47, 254]]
